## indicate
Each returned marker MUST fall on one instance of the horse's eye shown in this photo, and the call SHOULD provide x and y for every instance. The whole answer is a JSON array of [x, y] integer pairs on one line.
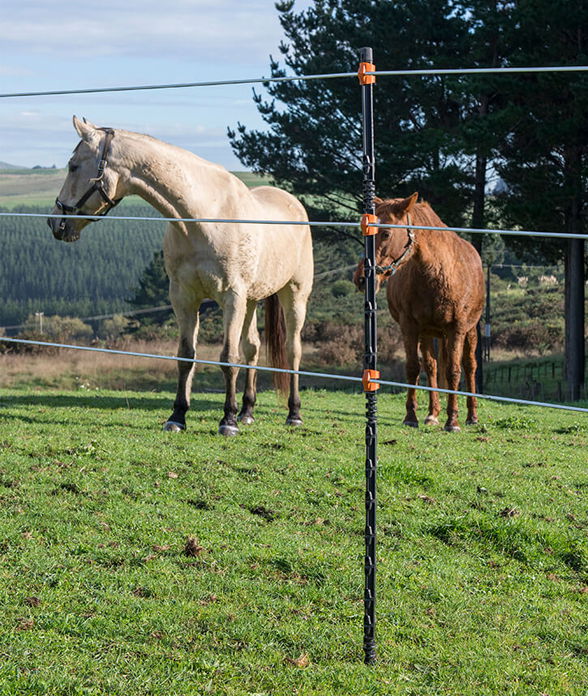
[[385, 234], [73, 167]]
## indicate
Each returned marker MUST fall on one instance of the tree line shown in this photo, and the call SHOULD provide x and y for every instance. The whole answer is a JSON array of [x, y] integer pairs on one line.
[[96, 275], [448, 137]]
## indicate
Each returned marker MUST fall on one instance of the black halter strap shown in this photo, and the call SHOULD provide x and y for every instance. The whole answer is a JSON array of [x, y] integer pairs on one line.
[[391, 268], [97, 185]]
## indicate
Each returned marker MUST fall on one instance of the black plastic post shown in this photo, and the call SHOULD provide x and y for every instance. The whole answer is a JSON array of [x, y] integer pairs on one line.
[[370, 360]]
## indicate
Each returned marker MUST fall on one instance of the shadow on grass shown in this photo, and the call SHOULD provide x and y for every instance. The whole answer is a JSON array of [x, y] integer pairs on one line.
[[100, 402]]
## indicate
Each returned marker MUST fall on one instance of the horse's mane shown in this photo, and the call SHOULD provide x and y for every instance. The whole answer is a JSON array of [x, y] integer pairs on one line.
[[421, 213], [140, 137]]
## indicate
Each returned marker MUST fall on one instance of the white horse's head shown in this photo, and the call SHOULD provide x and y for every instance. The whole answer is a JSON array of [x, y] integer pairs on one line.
[[91, 187]]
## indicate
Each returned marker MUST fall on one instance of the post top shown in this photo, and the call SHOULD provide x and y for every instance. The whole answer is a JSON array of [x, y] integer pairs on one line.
[[366, 54]]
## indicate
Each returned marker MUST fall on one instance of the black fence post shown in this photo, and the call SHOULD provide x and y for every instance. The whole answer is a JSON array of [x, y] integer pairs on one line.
[[370, 357]]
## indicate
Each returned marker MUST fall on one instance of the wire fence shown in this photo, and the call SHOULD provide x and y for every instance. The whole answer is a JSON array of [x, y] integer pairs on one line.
[[301, 373], [367, 74], [304, 223], [338, 223], [425, 72]]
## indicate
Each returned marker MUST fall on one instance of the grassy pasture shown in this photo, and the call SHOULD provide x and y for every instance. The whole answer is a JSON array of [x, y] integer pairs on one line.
[[483, 550]]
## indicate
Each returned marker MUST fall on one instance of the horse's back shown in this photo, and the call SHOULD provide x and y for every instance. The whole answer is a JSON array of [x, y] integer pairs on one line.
[[291, 244], [284, 204]]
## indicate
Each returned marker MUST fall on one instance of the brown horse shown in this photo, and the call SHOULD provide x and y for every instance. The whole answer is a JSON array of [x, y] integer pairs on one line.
[[435, 290]]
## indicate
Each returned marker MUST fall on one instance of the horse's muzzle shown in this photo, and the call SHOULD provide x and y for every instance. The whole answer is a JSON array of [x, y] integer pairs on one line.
[[359, 277], [63, 230]]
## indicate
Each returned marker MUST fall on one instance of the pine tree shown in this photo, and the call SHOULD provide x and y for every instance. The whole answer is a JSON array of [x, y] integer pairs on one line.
[[544, 158], [313, 143], [439, 135], [153, 291]]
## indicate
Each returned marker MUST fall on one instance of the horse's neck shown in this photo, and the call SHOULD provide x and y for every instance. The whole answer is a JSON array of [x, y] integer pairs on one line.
[[174, 181], [426, 240]]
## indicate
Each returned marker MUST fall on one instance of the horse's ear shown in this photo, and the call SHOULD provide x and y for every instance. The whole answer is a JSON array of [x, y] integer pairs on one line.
[[409, 203], [85, 129], [377, 200]]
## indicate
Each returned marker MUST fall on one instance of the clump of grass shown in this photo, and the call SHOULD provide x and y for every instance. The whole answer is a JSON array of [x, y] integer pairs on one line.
[[515, 422]]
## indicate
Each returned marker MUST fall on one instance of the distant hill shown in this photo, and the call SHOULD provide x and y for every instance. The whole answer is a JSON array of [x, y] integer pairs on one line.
[[38, 187], [6, 165]]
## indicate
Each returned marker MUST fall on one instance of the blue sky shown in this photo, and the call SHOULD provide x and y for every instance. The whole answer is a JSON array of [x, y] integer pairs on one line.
[[59, 44]]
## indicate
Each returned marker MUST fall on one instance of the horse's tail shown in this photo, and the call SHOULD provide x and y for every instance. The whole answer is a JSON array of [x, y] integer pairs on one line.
[[442, 363], [275, 342]]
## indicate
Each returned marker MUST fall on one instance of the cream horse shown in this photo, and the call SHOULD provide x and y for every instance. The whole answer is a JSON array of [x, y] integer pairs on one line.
[[235, 264]]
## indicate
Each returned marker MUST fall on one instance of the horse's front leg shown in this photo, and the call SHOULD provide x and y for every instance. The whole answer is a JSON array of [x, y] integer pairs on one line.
[[430, 364], [187, 317], [234, 315], [455, 343], [410, 337], [250, 344]]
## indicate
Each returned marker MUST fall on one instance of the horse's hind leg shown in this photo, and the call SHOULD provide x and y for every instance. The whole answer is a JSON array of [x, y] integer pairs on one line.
[[413, 369], [430, 364], [455, 344], [187, 317], [470, 365], [250, 344], [234, 315], [294, 304]]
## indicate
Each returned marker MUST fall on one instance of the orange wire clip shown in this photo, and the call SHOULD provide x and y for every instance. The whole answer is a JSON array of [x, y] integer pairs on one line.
[[368, 219], [368, 385], [361, 74]]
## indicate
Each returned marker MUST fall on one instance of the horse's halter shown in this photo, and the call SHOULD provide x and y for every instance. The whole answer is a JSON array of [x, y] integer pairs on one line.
[[391, 268], [98, 185]]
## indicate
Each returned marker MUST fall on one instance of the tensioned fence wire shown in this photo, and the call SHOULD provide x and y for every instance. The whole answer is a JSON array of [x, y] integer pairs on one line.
[[302, 373], [402, 385], [311, 223], [301, 78], [263, 80]]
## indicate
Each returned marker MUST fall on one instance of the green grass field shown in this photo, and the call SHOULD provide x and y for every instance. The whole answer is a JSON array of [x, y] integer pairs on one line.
[[483, 550]]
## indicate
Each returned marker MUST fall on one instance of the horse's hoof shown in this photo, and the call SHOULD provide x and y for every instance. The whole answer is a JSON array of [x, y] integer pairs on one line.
[[411, 424], [452, 428], [173, 427], [472, 421], [294, 422], [228, 430], [431, 420], [246, 420]]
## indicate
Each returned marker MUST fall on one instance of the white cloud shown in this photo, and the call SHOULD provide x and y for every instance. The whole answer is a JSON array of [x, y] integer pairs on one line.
[[195, 29], [30, 138], [68, 45]]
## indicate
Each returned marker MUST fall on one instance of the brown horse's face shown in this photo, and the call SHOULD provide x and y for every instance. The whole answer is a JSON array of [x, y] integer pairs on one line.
[[390, 243]]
